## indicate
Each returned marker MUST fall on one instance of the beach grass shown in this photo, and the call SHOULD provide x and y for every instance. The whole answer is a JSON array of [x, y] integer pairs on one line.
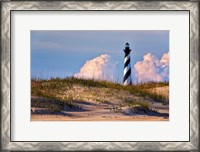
[[56, 93]]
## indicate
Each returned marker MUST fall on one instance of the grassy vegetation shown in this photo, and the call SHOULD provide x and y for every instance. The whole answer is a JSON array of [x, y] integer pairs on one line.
[[52, 92], [102, 100], [58, 84], [137, 104], [45, 96], [46, 103], [132, 103]]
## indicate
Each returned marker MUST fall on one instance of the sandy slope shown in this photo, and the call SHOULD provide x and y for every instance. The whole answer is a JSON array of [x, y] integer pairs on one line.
[[94, 111], [160, 90], [102, 104], [97, 118]]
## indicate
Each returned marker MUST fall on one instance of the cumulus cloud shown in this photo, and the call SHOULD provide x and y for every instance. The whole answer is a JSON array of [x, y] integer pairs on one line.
[[152, 69], [99, 68], [103, 67]]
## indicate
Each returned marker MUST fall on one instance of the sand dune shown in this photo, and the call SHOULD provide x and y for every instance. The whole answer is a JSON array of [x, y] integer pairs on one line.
[[82, 102]]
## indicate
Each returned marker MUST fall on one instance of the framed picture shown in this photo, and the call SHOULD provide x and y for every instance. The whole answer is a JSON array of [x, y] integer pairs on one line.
[[114, 75]]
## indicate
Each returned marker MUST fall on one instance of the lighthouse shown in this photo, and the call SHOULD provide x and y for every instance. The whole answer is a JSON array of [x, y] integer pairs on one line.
[[127, 67]]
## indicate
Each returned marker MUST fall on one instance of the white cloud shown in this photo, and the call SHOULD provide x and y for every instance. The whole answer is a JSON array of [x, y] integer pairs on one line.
[[104, 67], [152, 69], [99, 68]]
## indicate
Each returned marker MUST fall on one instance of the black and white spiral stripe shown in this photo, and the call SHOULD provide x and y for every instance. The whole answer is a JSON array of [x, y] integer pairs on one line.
[[127, 70]]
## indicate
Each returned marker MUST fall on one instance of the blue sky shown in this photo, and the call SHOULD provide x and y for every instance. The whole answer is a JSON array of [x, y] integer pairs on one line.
[[63, 53]]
